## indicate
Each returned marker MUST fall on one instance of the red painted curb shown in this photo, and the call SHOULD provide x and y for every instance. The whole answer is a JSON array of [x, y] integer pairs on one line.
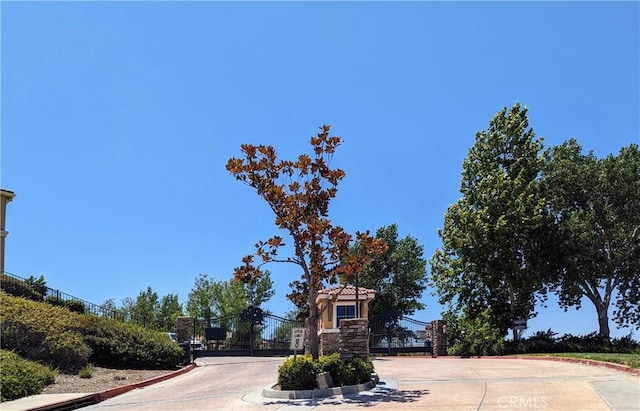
[[110, 393]]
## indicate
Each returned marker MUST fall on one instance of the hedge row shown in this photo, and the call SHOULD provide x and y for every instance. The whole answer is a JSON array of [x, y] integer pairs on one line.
[[117, 344], [300, 373], [548, 342], [69, 341], [21, 378]]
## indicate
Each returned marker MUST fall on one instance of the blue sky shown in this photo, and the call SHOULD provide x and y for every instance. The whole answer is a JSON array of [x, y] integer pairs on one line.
[[118, 119]]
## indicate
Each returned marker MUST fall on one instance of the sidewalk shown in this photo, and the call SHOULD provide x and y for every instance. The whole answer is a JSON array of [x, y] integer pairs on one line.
[[43, 402]]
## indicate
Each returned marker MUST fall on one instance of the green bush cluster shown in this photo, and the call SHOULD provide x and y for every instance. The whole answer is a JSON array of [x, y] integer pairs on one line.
[[68, 341], [300, 373], [44, 333], [17, 288], [35, 289], [117, 344], [21, 378], [86, 372], [75, 306], [354, 371], [478, 347], [548, 342]]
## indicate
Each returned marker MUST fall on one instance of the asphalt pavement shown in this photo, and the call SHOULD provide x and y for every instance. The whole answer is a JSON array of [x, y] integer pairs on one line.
[[419, 383]]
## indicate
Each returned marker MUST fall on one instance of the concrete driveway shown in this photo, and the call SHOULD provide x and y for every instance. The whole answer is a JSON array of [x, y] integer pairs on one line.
[[236, 383]]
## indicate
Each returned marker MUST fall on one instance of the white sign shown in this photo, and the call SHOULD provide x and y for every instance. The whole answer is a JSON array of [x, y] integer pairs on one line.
[[297, 339], [520, 324]]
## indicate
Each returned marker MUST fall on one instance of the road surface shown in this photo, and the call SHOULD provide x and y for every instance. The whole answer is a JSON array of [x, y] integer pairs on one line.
[[418, 383]]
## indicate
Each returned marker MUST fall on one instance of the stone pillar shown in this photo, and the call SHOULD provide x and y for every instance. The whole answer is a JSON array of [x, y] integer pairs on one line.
[[329, 341], [184, 329], [354, 338], [438, 328]]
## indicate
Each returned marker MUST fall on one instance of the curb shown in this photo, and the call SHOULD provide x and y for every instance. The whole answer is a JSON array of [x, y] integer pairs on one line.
[[110, 393], [583, 361], [95, 398], [317, 393]]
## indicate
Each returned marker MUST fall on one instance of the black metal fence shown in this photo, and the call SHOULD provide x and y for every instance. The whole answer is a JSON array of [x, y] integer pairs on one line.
[[394, 335], [34, 290], [251, 332]]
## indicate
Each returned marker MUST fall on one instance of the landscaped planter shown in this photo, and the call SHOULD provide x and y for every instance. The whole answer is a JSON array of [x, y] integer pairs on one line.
[[271, 392]]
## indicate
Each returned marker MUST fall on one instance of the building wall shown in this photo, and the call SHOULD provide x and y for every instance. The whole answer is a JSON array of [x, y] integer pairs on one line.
[[5, 198], [328, 309]]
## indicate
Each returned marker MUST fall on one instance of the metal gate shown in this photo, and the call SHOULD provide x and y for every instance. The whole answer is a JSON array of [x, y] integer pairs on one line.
[[250, 333], [393, 335]]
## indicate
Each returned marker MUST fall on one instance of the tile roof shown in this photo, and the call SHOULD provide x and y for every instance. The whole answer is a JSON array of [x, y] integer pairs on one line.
[[345, 290]]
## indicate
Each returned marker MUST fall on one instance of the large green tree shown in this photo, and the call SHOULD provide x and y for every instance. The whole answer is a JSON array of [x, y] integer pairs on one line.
[[168, 311], [398, 276], [299, 193], [473, 335], [596, 230], [199, 301], [490, 250], [211, 298], [145, 308]]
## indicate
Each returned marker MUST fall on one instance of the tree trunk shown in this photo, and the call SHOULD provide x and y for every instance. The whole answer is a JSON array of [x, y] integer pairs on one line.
[[603, 319], [313, 321]]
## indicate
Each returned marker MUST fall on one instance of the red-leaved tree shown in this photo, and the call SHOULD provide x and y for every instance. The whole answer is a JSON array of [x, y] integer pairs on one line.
[[299, 193]]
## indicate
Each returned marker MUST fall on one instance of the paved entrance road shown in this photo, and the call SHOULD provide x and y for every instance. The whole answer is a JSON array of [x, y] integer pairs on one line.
[[233, 383]]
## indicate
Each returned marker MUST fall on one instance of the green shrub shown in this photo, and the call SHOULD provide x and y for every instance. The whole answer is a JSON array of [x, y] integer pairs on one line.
[[469, 347], [301, 373], [75, 306], [625, 345], [298, 374], [547, 342], [362, 370], [68, 341], [44, 333], [21, 378], [116, 344], [86, 371], [335, 366], [17, 288]]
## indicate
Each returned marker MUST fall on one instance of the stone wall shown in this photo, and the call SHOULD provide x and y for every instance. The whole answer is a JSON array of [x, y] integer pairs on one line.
[[184, 329], [354, 338], [439, 337], [329, 341]]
